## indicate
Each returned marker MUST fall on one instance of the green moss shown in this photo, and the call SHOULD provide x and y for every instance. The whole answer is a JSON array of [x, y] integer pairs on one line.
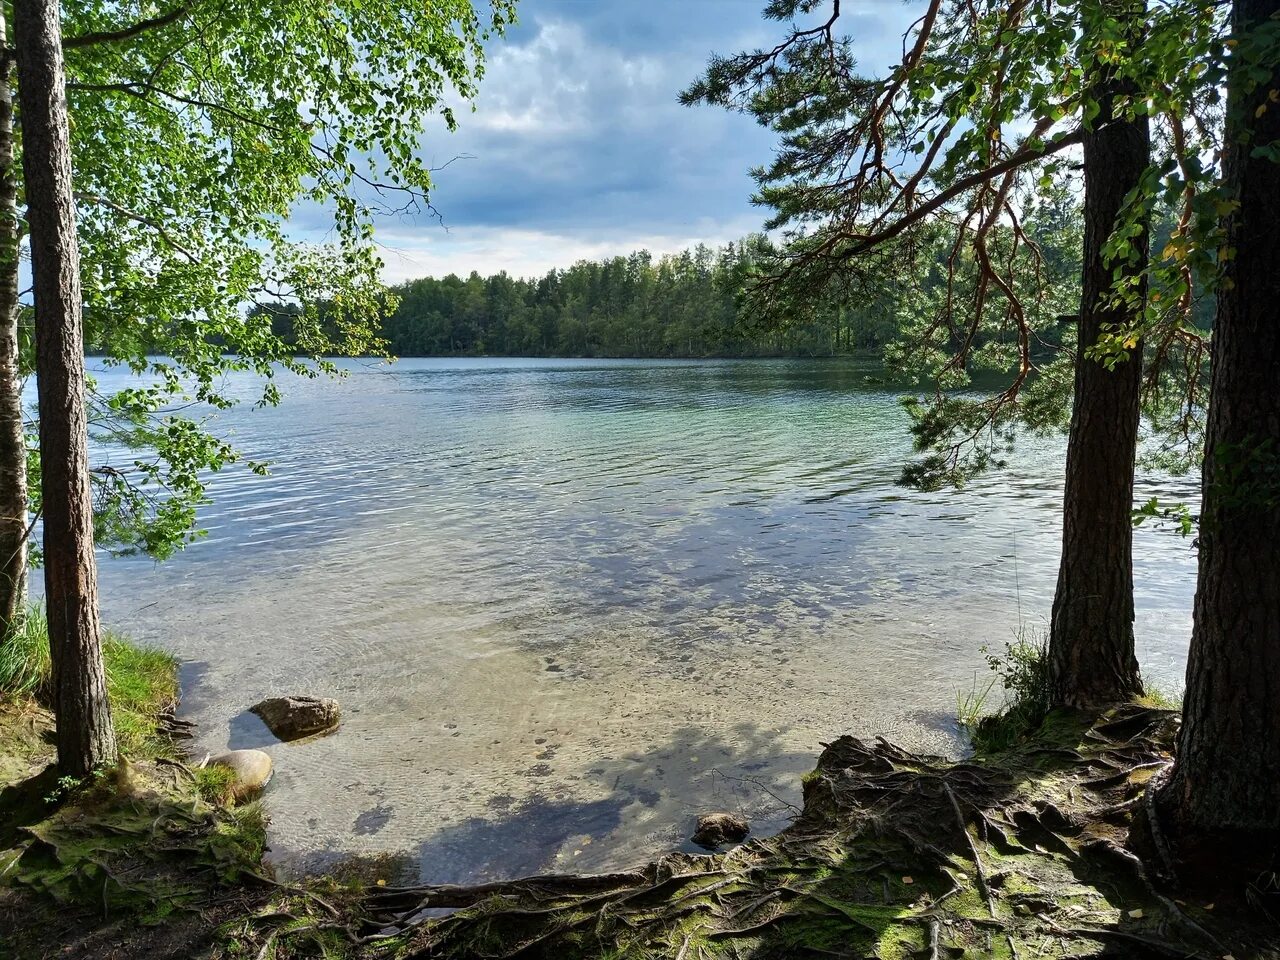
[[140, 842]]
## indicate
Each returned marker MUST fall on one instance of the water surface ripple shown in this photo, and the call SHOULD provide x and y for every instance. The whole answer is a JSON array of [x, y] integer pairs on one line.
[[567, 605]]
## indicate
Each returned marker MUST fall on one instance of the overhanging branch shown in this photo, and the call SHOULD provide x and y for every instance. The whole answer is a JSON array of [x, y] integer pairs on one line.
[[127, 32]]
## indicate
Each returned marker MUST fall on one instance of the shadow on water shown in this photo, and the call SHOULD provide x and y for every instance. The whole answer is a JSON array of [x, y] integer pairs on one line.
[[248, 732], [648, 795], [192, 690]]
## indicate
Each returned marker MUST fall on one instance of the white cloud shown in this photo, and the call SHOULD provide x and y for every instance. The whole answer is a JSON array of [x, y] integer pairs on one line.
[[409, 254], [578, 147]]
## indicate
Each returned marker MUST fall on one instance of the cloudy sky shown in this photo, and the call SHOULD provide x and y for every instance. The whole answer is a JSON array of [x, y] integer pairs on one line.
[[578, 148]]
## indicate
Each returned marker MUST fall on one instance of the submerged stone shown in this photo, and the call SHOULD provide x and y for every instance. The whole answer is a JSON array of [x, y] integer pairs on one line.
[[292, 718], [252, 769], [716, 829]]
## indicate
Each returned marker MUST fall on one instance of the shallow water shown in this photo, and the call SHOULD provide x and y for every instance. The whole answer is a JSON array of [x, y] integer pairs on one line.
[[567, 605]]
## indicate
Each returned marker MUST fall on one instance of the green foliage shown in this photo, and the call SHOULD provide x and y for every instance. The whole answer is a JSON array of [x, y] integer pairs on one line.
[[967, 146], [1177, 515], [687, 305], [196, 137], [1022, 671]]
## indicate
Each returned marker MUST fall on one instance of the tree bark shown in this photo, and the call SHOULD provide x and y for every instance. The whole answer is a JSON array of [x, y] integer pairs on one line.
[[86, 738], [13, 451], [1091, 655], [1223, 797]]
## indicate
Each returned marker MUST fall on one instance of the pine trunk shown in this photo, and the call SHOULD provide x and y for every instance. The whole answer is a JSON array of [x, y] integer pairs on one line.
[[1223, 798], [86, 739], [13, 451], [1091, 655]]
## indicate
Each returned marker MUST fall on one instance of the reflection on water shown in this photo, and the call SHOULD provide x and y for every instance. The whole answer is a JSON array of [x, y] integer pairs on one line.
[[568, 605]]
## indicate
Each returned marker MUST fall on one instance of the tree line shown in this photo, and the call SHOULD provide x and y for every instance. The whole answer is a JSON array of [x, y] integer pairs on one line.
[[690, 304], [681, 305]]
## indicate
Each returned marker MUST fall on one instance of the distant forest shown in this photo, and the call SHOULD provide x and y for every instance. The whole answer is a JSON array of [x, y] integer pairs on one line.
[[681, 305]]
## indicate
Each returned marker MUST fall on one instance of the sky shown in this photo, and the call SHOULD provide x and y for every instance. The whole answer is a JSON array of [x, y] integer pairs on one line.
[[578, 148]]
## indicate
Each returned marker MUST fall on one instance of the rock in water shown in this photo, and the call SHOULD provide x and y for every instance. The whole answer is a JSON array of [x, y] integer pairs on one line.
[[717, 829], [251, 767], [291, 718]]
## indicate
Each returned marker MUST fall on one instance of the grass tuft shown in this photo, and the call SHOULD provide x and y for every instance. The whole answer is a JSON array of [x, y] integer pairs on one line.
[[142, 682], [25, 667], [1023, 673], [216, 785], [1160, 698]]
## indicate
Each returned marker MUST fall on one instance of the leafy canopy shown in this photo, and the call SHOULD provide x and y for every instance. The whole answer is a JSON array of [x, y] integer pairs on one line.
[[201, 133]]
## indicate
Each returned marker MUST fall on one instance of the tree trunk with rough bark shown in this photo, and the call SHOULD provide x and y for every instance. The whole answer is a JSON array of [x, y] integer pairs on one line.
[[1222, 802], [86, 738], [1091, 654], [13, 451]]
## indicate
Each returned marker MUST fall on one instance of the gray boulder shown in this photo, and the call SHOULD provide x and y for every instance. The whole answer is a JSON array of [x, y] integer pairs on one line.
[[291, 718], [717, 829], [252, 769]]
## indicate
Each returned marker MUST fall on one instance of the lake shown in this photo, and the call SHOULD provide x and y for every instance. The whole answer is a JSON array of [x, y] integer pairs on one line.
[[567, 605]]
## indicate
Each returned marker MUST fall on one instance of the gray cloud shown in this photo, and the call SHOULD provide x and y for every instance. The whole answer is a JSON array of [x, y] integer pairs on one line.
[[578, 146]]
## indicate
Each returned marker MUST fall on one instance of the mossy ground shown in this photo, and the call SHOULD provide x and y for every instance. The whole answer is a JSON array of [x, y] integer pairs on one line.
[[125, 862], [1015, 854]]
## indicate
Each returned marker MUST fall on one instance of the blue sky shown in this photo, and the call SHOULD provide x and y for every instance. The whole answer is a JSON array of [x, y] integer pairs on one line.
[[578, 148]]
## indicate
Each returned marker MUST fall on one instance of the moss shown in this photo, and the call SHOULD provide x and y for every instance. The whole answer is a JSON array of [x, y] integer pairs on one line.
[[25, 739], [140, 843], [896, 857]]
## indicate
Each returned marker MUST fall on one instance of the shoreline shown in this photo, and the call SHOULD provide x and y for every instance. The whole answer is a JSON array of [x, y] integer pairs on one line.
[[893, 854]]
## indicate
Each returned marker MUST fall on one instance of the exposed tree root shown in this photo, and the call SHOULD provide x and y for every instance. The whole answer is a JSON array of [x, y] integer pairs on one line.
[[893, 856]]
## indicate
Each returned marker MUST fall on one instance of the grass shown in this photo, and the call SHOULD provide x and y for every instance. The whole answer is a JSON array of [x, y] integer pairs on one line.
[[1022, 671], [25, 667], [116, 853], [216, 785], [1159, 698], [142, 682]]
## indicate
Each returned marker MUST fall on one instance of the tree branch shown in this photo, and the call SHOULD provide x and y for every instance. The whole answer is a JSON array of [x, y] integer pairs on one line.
[[139, 218], [1012, 162], [128, 32]]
